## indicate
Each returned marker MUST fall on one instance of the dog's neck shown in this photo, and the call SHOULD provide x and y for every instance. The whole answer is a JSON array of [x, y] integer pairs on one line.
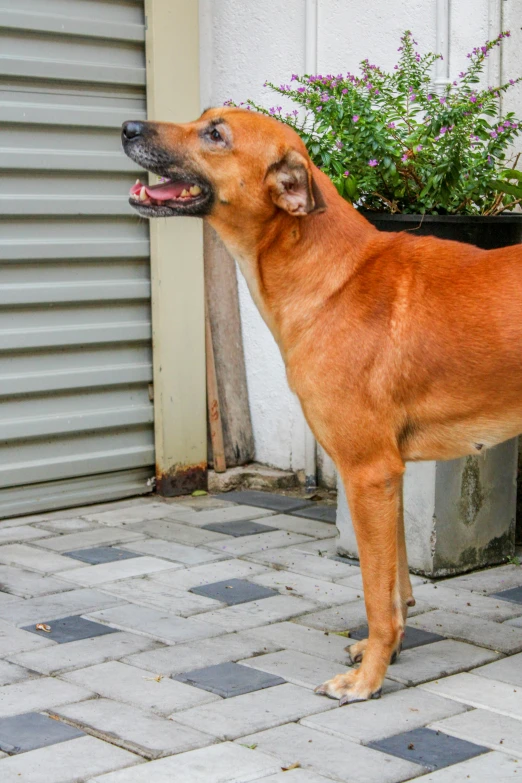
[[305, 259]]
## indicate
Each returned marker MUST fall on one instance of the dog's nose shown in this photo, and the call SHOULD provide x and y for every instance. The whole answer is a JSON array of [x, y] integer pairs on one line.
[[132, 129]]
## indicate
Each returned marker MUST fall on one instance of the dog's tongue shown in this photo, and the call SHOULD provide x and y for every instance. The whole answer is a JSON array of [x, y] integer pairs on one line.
[[165, 191]]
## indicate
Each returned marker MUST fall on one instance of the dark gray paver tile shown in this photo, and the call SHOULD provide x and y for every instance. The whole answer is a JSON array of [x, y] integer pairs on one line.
[[432, 749], [20, 733], [322, 513], [229, 679], [245, 528], [413, 637], [70, 629], [514, 594], [101, 554], [234, 591], [250, 497]]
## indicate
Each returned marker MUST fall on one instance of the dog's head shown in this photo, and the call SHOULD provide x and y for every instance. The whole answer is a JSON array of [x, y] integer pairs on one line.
[[229, 161]]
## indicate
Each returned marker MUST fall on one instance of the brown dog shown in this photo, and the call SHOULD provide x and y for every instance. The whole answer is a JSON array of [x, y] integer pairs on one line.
[[399, 348]]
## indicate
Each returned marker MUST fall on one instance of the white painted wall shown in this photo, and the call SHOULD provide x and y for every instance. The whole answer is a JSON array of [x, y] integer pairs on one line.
[[244, 42]]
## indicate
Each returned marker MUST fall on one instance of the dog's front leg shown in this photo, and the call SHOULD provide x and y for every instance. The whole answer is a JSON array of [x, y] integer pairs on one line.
[[374, 494]]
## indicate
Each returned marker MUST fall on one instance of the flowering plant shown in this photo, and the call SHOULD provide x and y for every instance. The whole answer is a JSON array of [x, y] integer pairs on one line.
[[391, 143]]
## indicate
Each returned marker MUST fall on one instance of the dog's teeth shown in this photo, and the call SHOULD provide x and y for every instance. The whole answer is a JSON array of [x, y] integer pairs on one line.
[[184, 193], [143, 194], [195, 190]]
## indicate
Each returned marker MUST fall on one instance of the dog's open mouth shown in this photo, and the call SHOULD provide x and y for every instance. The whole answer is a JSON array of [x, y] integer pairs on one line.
[[169, 197]]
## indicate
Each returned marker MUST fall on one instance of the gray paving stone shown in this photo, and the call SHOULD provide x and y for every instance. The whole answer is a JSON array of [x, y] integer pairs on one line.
[[128, 514], [506, 670], [39, 694], [485, 607], [269, 500], [35, 559], [11, 673], [337, 758], [256, 613], [51, 607], [137, 687], [514, 594], [482, 692], [430, 749], [70, 762], [483, 769], [110, 572], [439, 659], [295, 776], [74, 525], [30, 731], [465, 628], [147, 591], [317, 590], [244, 546], [291, 636], [87, 539], [308, 564], [225, 763], [229, 679], [101, 554], [246, 527], [324, 548], [9, 535], [516, 622], [206, 574], [302, 669], [356, 580], [347, 616], [320, 512], [490, 581], [176, 532], [168, 628], [184, 657], [26, 584], [177, 553], [299, 524], [497, 732], [201, 502], [396, 712], [133, 729], [13, 641], [413, 637], [234, 591], [70, 629], [228, 514], [9, 600], [233, 718], [87, 652]]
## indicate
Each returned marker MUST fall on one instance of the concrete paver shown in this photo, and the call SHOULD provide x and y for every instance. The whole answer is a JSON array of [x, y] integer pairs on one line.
[[497, 732], [466, 628]]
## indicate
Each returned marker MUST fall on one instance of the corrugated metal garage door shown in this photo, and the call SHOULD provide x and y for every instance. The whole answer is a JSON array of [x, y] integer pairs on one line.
[[75, 352]]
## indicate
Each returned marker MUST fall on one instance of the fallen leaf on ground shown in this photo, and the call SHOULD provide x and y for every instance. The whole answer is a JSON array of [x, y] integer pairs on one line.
[[295, 765], [43, 627], [346, 634], [198, 492]]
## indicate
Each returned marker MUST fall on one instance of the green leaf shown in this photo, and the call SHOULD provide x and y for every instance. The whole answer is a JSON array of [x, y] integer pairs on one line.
[[505, 187], [198, 492]]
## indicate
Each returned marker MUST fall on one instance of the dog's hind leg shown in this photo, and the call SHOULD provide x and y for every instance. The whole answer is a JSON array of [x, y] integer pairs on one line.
[[374, 494]]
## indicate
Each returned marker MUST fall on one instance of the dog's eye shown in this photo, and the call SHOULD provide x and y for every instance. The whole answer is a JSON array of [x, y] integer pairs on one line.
[[215, 135]]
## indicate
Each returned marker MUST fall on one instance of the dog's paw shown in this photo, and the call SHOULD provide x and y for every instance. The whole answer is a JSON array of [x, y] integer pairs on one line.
[[350, 688], [356, 651]]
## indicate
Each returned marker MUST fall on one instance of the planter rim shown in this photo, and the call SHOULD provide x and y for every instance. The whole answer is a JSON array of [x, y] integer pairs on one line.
[[419, 219]]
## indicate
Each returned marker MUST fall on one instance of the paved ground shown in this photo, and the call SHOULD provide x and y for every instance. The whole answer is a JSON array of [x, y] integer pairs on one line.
[[146, 642]]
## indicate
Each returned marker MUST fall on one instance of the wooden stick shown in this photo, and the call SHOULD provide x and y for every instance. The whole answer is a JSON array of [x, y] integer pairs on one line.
[[214, 412]]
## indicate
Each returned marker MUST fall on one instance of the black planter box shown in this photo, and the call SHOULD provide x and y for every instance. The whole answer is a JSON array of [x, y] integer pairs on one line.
[[485, 232]]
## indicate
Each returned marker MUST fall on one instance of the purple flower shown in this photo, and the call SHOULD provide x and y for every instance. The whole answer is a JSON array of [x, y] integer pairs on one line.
[[391, 125], [462, 74], [512, 81], [339, 144], [396, 67], [345, 91], [484, 49], [294, 77], [412, 97], [373, 163], [404, 157], [271, 110], [325, 97], [295, 112], [301, 89], [419, 148], [355, 118], [442, 100], [346, 174], [473, 98], [429, 97], [443, 130], [493, 134], [454, 84]]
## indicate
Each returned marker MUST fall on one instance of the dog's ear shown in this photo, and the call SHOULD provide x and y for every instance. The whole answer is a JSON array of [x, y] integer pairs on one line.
[[292, 186]]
